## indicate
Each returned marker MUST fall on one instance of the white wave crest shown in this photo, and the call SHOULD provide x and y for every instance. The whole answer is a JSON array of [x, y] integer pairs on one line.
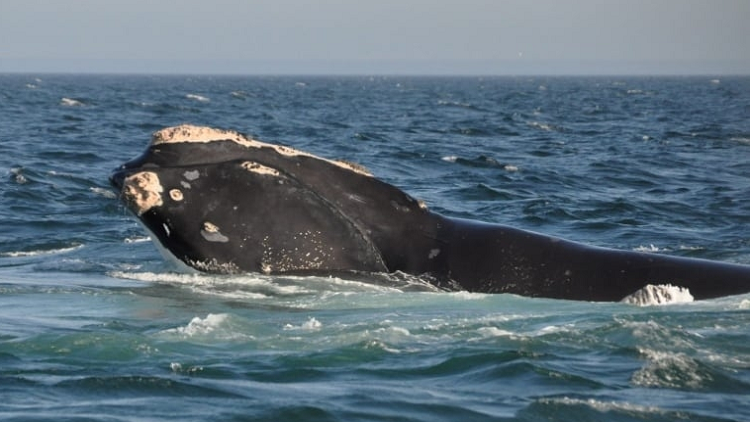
[[198, 326], [55, 251], [311, 324], [603, 406], [197, 97], [547, 127], [669, 370], [70, 102], [137, 239], [650, 248], [661, 294], [489, 332], [104, 193]]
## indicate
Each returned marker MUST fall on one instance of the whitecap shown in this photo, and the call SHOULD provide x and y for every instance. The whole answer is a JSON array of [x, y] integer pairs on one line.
[[489, 332], [690, 248], [55, 251], [669, 370], [105, 193], [450, 158], [177, 367], [602, 406], [220, 326], [465, 295], [197, 97], [239, 287], [311, 324], [137, 239], [70, 102], [650, 248], [547, 127], [662, 294], [201, 326]]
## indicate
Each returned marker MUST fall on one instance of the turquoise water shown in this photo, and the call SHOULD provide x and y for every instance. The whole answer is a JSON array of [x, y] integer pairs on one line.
[[95, 326]]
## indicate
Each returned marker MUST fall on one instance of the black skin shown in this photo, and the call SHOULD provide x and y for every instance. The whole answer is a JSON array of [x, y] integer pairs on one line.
[[357, 223]]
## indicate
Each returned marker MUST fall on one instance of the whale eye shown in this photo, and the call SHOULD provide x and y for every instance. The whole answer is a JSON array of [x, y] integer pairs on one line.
[[176, 194]]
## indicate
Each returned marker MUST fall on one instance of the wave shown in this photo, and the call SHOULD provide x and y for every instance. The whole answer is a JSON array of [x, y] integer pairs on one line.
[[280, 285], [137, 239], [311, 324], [547, 127], [651, 249], [578, 408], [70, 102], [481, 161], [38, 252], [104, 193], [201, 326], [197, 97], [678, 370]]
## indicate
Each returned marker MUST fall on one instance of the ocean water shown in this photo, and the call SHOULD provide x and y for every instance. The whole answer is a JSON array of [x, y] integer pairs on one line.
[[94, 325]]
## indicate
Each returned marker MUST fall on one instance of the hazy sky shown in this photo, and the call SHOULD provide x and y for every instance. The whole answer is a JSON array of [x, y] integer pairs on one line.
[[376, 36]]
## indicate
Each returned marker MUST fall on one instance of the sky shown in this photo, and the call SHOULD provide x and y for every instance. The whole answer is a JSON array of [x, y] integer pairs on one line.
[[428, 37]]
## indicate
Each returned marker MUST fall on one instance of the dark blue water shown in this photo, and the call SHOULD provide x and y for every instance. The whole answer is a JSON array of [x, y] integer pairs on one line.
[[95, 326]]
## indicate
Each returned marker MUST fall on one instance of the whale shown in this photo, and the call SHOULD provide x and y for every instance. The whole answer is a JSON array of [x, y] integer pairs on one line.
[[219, 201]]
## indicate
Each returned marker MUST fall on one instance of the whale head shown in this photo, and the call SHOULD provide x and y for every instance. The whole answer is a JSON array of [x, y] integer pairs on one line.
[[220, 201]]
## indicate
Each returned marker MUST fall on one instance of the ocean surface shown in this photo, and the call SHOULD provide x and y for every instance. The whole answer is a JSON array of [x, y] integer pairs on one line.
[[95, 326]]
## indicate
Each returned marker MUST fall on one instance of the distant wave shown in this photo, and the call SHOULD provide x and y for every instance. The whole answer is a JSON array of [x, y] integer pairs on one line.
[[70, 102], [547, 127], [197, 97], [481, 161]]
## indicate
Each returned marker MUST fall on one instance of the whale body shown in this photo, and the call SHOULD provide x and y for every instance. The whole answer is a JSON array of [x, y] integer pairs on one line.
[[222, 202]]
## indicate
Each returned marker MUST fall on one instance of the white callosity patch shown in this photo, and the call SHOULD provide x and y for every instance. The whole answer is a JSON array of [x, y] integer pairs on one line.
[[142, 191], [258, 168], [190, 133], [176, 195], [659, 295], [210, 232], [192, 175]]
